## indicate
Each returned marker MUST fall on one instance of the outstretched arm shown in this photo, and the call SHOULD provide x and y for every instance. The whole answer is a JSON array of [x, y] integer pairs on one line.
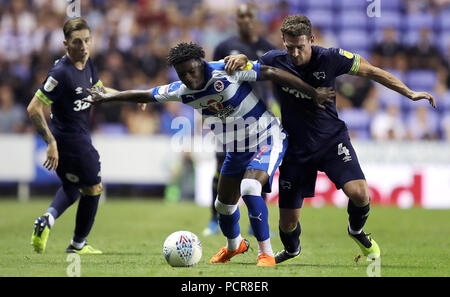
[[286, 79], [390, 81], [132, 96], [282, 78]]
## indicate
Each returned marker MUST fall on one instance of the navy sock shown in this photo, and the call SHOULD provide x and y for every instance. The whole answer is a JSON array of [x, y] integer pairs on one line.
[[65, 197], [357, 216], [229, 224], [214, 213], [87, 209], [291, 240], [258, 215]]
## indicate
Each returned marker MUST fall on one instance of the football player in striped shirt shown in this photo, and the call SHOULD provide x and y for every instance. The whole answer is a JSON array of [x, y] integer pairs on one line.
[[251, 135]]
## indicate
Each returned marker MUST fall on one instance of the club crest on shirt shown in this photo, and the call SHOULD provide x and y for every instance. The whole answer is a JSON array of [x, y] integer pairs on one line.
[[50, 84], [219, 86], [214, 105]]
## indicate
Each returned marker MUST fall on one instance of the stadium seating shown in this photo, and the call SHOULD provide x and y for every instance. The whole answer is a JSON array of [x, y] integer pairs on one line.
[[354, 39], [421, 79], [352, 19], [323, 18], [391, 19], [418, 21], [351, 4], [357, 120]]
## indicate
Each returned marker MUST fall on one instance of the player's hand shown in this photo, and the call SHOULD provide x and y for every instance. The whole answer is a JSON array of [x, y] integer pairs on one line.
[[235, 62], [100, 89], [415, 96], [324, 95], [95, 97], [51, 163]]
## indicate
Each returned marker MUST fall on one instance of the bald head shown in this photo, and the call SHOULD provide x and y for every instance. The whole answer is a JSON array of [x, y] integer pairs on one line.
[[246, 19]]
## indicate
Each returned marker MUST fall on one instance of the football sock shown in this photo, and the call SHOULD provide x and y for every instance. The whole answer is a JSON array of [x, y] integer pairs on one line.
[[258, 215], [65, 197], [233, 243], [214, 190], [264, 247], [87, 209], [291, 240], [357, 217], [229, 224]]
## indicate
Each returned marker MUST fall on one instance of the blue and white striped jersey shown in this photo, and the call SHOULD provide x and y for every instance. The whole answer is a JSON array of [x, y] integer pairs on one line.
[[239, 119]]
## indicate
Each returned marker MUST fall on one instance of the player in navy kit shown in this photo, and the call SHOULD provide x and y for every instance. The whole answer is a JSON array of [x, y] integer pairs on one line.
[[253, 46], [69, 148], [319, 140]]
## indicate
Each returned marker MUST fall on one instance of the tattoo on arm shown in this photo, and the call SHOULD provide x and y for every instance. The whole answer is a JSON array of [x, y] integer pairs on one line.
[[40, 124]]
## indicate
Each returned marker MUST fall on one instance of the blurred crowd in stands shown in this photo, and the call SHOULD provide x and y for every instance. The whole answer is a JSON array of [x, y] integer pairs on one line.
[[131, 38]]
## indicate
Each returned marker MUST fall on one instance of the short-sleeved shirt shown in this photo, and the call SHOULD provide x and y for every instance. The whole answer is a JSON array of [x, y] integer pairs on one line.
[[309, 127], [239, 119], [63, 89]]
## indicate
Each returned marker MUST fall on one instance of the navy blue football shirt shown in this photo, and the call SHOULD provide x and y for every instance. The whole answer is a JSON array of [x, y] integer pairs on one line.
[[63, 89], [309, 127]]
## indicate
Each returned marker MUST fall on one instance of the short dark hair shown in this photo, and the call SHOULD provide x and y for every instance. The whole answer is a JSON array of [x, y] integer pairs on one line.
[[74, 24], [183, 52], [296, 25]]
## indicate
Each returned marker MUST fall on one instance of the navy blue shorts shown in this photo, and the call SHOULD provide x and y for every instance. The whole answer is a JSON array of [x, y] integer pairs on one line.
[[298, 180], [81, 169]]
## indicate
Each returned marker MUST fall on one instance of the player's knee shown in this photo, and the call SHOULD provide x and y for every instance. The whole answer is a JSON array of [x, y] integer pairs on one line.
[[93, 190], [225, 209], [250, 187], [359, 195], [288, 219]]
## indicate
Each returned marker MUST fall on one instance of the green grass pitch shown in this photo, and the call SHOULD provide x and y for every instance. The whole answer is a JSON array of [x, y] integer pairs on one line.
[[414, 242]]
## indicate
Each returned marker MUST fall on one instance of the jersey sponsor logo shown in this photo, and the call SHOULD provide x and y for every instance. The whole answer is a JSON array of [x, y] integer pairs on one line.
[[345, 54], [342, 150], [79, 90], [219, 86], [50, 84], [296, 93], [319, 75], [213, 105]]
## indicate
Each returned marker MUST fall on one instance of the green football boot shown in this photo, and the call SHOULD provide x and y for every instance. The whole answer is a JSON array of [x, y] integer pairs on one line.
[[40, 234], [284, 257], [85, 250], [368, 246]]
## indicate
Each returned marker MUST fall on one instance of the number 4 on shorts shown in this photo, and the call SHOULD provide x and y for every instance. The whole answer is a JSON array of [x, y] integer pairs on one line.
[[343, 150]]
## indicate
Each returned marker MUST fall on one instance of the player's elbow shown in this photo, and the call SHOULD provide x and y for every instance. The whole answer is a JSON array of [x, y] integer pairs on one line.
[[33, 107], [269, 73]]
